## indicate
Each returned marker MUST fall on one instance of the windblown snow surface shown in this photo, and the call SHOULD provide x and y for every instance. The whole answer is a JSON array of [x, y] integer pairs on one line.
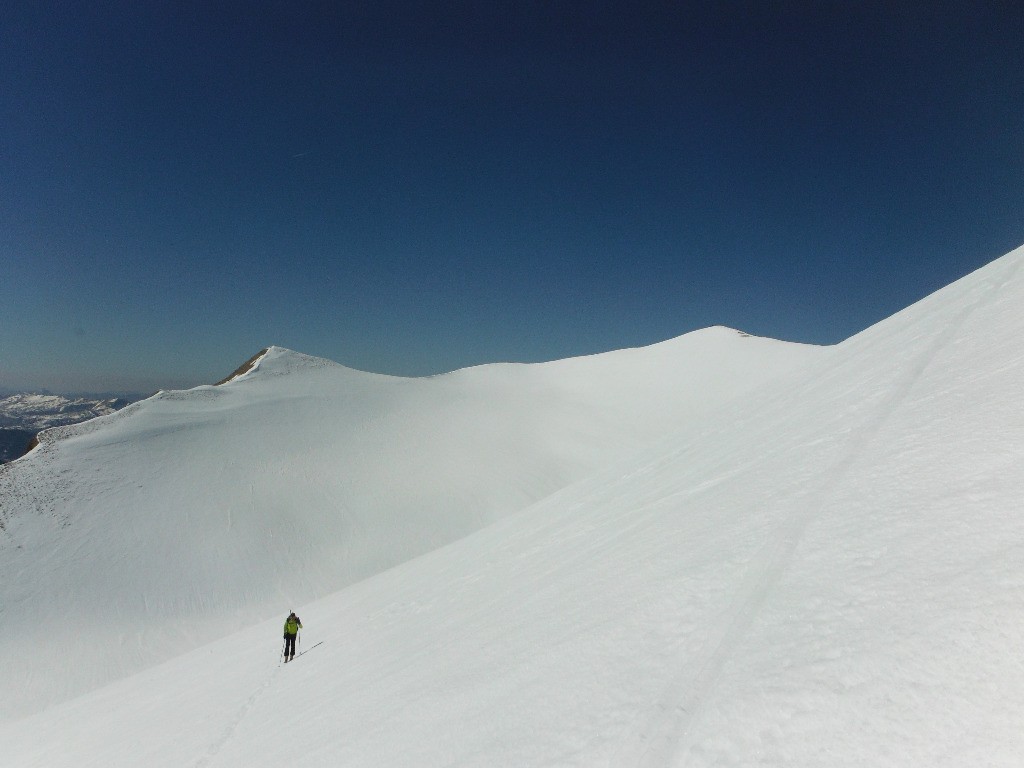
[[718, 551]]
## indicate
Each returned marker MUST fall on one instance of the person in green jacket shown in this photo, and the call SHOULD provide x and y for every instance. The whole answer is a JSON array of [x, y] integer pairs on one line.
[[292, 625]]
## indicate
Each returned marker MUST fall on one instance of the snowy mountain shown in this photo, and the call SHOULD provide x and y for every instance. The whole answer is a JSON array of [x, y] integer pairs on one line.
[[716, 551], [190, 515]]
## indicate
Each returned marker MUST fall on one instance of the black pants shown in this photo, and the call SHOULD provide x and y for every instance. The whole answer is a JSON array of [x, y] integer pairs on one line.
[[289, 646]]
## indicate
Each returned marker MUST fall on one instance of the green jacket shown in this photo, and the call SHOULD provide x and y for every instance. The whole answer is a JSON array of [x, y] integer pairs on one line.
[[292, 625]]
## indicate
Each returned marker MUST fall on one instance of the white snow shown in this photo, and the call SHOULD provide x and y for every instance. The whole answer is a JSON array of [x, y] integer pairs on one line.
[[716, 551]]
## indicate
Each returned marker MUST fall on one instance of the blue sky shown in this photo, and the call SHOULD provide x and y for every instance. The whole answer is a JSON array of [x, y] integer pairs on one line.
[[410, 190]]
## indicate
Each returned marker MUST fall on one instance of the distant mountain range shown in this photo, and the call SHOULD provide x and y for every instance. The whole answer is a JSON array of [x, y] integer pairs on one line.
[[23, 415]]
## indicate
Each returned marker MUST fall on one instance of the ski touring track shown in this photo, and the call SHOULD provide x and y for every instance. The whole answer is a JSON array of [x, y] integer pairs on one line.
[[235, 721], [244, 710], [662, 736]]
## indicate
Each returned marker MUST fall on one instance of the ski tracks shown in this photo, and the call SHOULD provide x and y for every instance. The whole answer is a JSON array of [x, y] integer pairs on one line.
[[663, 735], [232, 726]]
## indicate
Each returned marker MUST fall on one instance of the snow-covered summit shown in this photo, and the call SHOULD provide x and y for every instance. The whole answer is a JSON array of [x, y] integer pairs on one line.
[[278, 361]]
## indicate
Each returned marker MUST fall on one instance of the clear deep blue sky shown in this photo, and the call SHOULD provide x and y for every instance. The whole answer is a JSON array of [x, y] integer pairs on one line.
[[413, 187]]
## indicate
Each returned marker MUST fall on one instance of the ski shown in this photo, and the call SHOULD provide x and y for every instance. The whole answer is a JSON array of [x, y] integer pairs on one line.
[[297, 655]]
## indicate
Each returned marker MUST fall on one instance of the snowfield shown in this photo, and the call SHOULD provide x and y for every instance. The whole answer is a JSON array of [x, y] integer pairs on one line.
[[717, 551]]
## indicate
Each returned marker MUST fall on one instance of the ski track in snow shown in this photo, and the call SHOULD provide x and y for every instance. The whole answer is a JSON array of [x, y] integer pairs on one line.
[[232, 726], [663, 736], [243, 711]]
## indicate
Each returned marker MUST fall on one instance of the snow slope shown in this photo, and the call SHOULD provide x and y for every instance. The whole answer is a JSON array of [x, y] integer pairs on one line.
[[826, 571], [139, 536]]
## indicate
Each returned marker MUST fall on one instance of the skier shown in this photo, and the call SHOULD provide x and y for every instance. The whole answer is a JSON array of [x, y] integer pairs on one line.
[[292, 625]]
